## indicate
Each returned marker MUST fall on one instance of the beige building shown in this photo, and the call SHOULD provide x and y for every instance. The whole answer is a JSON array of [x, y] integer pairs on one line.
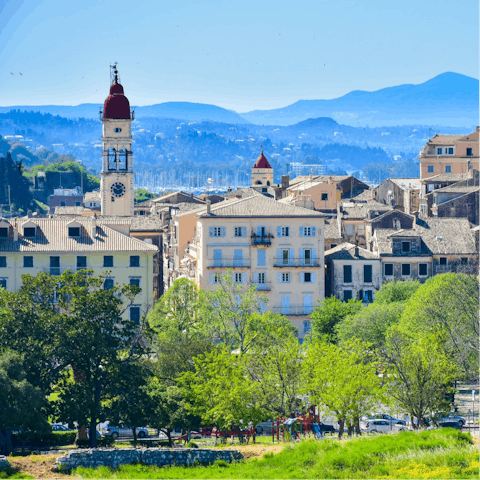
[[449, 154], [322, 195], [276, 247], [31, 246]]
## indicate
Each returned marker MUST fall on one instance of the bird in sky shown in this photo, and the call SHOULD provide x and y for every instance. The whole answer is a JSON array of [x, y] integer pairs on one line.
[[11, 73], [21, 73]]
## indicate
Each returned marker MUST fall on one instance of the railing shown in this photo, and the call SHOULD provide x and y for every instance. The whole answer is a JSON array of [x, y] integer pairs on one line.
[[57, 271], [294, 310], [264, 287], [471, 267], [296, 262], [229, 263], [261, 239]]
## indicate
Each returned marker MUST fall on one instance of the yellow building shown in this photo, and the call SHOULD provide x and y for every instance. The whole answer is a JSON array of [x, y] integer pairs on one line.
[[54, 245]]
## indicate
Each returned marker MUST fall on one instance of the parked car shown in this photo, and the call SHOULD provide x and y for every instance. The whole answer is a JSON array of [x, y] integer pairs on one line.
[[219, 433], [264, 427], [205, 430], [326, 428], [381, 426], [389, 418], [451, 417], [58, 427], [117, 432]]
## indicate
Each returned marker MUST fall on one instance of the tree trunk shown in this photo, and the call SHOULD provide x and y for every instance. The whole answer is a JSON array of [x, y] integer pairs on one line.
[[6, 445], [357, 426], [94, 414], [93, 433], [350, 430], [170, 442], [134, 435], [82, 432], [341, 427]]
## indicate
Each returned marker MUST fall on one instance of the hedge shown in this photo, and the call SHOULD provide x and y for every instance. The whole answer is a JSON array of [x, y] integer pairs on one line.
[[54, 439]]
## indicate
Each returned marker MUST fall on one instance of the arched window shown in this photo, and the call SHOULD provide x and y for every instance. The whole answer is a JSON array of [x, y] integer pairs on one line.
[[112, 159], [268, 182], [258, 182], [122, 159]]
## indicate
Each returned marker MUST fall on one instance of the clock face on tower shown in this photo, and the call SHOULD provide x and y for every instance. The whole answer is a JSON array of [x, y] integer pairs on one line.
[[118, 189]]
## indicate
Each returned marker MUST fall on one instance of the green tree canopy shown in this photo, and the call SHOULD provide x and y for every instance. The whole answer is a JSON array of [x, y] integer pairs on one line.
[[392, 292]]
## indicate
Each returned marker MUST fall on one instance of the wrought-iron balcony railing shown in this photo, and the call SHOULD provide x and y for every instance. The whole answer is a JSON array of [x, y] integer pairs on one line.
[[294, 310], [263, 286], [296, 262], [259, 239], [228, 263]]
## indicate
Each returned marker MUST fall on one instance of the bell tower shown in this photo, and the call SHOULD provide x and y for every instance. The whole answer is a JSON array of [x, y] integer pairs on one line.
[[116, 177]]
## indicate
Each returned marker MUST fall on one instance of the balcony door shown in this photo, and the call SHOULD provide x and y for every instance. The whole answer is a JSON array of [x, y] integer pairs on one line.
[[217, 257], [238, 257], [285, 304]]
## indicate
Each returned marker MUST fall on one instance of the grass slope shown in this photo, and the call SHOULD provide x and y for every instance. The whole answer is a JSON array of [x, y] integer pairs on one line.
[[442, 454]]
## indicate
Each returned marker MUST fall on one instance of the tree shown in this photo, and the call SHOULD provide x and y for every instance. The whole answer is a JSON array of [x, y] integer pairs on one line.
[[448, 304], [343, 379], [141, 194], [234, 316], [392, 292], [84, 328], [420, 372], [221, 393], [21, 404], [328, 314]]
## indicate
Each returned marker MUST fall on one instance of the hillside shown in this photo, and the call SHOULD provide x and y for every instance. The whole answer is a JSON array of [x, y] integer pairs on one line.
[[448, 99]]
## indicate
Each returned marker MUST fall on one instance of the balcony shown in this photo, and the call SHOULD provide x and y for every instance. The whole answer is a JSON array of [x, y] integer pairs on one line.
[[297, 262], [265, 239], [263, 287], [294, 310], [228, 263]]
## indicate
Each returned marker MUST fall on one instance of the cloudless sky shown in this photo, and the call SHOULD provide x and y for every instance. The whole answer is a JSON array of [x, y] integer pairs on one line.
[[238, 54]]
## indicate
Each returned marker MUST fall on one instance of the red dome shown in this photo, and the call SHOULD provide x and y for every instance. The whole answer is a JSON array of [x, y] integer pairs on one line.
[[116, 104], [262, 162]]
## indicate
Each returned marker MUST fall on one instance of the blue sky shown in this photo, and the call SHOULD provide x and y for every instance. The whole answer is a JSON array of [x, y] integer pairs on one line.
[[242, 54]]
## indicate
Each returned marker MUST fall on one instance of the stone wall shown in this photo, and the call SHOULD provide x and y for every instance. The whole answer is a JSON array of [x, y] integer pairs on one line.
[[4, 463], [112, 457]]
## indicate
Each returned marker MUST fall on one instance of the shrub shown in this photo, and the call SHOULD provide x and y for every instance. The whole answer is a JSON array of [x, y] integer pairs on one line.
[[82, 442], [221, 463], [191, 445], [53, 439]]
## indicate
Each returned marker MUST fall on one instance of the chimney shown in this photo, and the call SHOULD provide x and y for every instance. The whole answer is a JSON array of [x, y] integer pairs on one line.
[[29, 213], [285, 181], [356, 250], [373, 192], [209, 204], [415, 218], [93, 226], [477, 129], [229, 190], [15, 232]]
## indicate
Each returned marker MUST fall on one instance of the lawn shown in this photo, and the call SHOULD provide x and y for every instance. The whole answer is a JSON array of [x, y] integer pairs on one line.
[[445, 453]]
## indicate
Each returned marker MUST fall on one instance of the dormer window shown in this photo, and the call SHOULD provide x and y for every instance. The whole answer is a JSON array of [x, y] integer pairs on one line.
[[73, 231], [29, 232], [406, 247]]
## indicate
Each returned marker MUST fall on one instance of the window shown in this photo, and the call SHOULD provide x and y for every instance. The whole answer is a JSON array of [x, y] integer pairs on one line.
[[347, 295], [81, 262], [3, 232], [443, 260], [217, 257], [28, 262], [285, 257], [430, 169], [307, 231], [283, 231], [134, 260], [324, 197], [78, 204], [463, 261], [3, 262], [284, 278], [262, 277], [62, 204], [261, 257], [307, 256], [448, 169], [406, 269], [285, 304], [422, 269], [54, 265], [29, 232], [216, 231], [307, 327], [240, 231], [240, 277], [108, 260], [388, 269], [264, 190], [347, 274], [135, 281], [214, 278], [333, 245], [3, 283], [349, 229], [396, 224], [307, 277], [406, 247], [135, 314], [439, 151], [469, 152], [108, 284], [73, 231], [117, 130], [368, 296], [450, 150], [367, 274]]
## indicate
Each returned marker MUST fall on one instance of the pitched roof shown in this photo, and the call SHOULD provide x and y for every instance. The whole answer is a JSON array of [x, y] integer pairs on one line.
[[163, 198], [69, 210], [349, 251], [240, 193], [331, 228], [262, 162], [446, 177], [455, 189], [137, 223], [259, 206], [52, 236], [359, 209], [439, 236], [413, 183], [90, 196], [444, 139]]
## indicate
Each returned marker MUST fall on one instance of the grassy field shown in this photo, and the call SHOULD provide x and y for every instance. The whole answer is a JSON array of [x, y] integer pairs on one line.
[[437, 454]]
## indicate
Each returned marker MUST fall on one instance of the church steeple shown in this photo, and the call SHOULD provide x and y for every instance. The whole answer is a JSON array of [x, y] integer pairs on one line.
[[262, 173], [116, 182]]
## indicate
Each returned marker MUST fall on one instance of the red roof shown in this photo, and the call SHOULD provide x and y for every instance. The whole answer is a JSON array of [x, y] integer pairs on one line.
[[116, 104], [262, 162]]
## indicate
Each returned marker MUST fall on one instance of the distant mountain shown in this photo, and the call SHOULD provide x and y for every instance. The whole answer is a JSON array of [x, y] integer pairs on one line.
[[449, 99], [191, 112]]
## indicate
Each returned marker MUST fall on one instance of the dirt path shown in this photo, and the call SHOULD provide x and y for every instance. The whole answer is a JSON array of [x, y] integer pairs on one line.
[[39, 466]]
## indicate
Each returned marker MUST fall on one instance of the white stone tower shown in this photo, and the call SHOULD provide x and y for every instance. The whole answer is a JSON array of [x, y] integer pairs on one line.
[[116, 177]]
